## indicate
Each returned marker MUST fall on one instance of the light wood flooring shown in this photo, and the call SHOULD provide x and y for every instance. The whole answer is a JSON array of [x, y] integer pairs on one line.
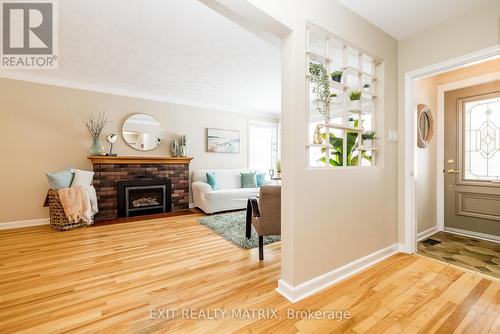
[[108, 279]]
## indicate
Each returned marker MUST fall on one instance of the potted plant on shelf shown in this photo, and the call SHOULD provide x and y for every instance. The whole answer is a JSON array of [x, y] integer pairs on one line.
[[278, 168], [368, 138], [366, 88], [336, 76], [355, 97], [321, 88]]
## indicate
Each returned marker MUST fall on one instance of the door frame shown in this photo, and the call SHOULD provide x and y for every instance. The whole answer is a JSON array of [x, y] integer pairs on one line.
[[407, 165]]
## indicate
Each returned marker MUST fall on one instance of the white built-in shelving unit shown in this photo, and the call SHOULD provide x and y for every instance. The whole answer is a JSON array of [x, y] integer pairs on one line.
[[346, 123]]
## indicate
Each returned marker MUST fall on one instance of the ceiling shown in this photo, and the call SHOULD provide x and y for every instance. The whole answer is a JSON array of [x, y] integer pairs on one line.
[[178, 51], [403, 18]]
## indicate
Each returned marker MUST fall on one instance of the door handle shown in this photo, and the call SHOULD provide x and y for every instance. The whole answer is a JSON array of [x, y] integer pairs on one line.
[[452, 171]]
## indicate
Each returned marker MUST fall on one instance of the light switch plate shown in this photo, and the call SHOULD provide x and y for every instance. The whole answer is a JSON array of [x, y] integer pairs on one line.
[[393, 135]]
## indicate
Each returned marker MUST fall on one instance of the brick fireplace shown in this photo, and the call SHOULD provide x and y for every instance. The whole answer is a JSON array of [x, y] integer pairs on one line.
[[110, 170]]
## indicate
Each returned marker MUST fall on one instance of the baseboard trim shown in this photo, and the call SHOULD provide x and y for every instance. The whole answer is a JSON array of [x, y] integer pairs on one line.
[[306, 289], [427, 233], [24, 223], [477, 235]]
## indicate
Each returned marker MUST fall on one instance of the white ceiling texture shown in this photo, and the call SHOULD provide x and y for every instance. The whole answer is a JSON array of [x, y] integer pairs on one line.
[[403, 18], [178, 51]]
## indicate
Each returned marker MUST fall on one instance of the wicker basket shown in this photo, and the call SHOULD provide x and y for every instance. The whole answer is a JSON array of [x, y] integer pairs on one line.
[[58, 219]]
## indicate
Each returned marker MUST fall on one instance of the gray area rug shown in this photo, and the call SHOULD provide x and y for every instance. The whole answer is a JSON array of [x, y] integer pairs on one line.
[[231, 226]]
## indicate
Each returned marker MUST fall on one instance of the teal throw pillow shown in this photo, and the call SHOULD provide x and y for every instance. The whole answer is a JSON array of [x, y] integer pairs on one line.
[[261, 179], [248, 180], [212, 180], [62, 179]]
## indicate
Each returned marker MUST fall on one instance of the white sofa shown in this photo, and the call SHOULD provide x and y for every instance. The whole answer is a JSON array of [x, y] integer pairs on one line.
[[229, 195]]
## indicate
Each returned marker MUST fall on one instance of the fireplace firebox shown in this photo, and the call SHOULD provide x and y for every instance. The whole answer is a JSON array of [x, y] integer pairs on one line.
[[144, 196]]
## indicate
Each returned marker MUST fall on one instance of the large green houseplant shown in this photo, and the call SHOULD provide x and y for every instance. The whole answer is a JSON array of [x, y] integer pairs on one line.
[[337, 149]]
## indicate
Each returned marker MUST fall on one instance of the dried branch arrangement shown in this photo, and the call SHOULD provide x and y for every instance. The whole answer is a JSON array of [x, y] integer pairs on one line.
[[95, 124]]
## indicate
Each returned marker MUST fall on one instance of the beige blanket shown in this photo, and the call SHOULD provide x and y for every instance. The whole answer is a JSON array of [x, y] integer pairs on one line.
[[76, 203]]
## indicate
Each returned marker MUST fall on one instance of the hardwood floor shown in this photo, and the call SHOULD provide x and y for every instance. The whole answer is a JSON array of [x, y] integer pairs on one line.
[[109, 278]]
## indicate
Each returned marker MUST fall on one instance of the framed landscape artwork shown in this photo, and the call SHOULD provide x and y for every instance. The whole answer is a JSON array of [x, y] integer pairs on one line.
[[223, 141]]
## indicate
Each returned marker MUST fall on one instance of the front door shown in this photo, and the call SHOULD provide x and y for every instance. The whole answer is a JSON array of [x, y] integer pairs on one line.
[[472, 159]]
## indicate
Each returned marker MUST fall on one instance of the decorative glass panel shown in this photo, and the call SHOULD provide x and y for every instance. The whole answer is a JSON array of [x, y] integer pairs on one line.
[[482, 140]]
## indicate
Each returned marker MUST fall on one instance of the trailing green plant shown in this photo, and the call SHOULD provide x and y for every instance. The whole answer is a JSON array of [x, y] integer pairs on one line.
[[355, 95], [369, 135], [333, 95], [337, 149], [320, 88]]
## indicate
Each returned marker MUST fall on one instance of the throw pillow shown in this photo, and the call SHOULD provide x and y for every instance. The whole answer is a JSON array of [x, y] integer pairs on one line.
[[248, 180], [82, 178], [212, 180], [261, 179], [60, 179]]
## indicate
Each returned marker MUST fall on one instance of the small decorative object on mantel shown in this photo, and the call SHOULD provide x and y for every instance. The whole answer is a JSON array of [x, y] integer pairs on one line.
[[183, 146], [174, 148], [111, 139], [95, 124], [425, 125]]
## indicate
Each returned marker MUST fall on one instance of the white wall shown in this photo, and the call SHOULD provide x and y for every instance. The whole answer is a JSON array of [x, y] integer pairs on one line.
[[43, 131], [425, 91], [330, 217]]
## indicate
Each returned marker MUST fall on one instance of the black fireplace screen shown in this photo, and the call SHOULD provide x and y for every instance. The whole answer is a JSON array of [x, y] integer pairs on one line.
[[144, 196]]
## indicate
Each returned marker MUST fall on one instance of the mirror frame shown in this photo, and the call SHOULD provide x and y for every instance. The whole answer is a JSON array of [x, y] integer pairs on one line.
[[123, 129], [423, 140]]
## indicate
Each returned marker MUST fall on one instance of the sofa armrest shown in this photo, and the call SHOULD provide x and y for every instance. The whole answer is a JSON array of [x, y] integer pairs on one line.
[[201, 187]]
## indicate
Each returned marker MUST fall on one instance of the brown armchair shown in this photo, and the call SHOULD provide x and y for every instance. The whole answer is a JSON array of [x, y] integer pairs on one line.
[[264, 214]]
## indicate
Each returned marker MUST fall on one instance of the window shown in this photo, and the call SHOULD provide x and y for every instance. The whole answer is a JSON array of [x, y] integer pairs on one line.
[[262, 145], [340, 131], [482, 139]]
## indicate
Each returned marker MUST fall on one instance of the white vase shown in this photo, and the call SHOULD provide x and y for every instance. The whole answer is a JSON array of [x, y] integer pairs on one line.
[[355, 105]]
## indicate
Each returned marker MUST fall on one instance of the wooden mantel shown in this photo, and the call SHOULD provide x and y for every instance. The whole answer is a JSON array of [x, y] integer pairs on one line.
[[129, 159]]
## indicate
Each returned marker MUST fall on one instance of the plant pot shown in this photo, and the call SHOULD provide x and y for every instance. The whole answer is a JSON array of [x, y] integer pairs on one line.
[[368, 144], [96, 148], [355, 105], [337, 77]]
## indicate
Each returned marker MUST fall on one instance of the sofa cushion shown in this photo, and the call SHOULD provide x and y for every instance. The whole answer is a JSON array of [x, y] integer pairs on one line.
[[248, 180], [212, 180], [235, 194], [226, 178], [261, 179]]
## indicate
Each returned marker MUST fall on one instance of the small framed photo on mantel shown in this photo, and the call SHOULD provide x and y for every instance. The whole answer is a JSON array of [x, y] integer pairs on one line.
[[223, 141]]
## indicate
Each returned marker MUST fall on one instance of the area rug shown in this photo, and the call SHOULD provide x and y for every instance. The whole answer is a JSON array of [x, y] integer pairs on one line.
[[231, 226]]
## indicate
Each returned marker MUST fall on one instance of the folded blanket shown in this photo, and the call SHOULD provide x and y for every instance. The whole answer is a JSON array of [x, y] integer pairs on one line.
[[76, 203], [93, 199]]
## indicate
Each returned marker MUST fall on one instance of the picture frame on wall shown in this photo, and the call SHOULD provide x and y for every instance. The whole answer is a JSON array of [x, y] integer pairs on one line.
[[223, 141]]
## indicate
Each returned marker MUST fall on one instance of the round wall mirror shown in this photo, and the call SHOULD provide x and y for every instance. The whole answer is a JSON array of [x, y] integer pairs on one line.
[[425, 125], [142, 132]]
